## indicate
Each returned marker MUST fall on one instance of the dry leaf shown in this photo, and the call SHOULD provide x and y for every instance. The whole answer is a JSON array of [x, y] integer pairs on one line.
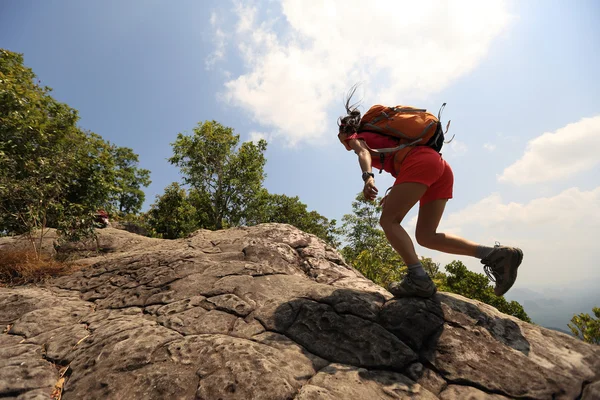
[[63, 371], [82, 339], [58, 388]]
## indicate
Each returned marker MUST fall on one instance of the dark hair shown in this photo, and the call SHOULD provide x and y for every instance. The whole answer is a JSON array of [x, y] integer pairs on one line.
[[350, 123]]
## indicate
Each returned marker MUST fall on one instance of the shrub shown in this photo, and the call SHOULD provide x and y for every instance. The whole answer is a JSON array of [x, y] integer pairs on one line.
[[20, 267]]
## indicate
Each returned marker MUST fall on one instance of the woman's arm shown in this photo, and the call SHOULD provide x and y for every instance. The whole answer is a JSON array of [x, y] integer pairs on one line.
[[364, 156], [364, 159]]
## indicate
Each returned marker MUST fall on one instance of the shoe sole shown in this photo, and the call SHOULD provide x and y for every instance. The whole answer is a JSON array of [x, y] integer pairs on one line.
[[424, 296], [513, 272]]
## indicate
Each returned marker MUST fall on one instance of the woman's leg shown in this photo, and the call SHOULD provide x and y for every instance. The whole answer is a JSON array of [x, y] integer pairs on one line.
[[399, 201], [501, 262], [427, 235]]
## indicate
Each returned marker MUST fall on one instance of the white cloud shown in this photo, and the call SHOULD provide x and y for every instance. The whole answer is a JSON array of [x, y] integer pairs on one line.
[[557, 155], [220, 40], [489, 146], [455, 148], [395, 47], [558, 234], [256, 136]]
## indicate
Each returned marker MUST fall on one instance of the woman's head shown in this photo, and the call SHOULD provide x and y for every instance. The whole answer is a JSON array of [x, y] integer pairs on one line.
[[349, 123]]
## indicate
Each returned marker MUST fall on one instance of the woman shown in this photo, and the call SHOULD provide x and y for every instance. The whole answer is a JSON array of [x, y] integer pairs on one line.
[[426, 177]]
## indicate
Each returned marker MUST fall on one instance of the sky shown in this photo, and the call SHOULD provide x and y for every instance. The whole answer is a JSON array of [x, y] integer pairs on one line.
[[520, 79]]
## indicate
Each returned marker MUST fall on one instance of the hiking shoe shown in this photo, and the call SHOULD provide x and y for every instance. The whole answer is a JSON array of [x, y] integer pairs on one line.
[[501, 267], [413, 285]]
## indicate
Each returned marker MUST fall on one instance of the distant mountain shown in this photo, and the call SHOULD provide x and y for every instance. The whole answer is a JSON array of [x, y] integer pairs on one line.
[[554, 306], [559, 330]]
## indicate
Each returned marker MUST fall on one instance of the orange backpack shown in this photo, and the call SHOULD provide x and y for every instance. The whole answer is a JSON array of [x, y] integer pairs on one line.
[[411, 126]]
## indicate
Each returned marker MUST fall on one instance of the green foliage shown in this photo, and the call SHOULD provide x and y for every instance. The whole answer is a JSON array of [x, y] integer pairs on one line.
[[42, 156], [136, 223], [380, 264], [433, 270], [128, 197], [476, 286], [52, 173], [172, 216], [92, 168], [279, 208], [586, 327], [225, 178], [361, 228]]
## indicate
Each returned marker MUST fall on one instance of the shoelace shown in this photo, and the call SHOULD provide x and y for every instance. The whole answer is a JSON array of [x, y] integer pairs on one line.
[[408, 279], [491, 274], [489, 270]]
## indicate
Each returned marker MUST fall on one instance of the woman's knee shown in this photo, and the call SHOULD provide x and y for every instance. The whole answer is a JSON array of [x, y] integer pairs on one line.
[[387, 220]]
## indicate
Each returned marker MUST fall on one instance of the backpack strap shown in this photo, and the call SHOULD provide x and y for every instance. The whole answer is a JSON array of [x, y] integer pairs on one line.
[[441, 111], [388, 150]]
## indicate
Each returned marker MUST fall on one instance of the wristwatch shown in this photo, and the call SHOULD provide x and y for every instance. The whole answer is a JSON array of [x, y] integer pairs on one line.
[[366, 176]]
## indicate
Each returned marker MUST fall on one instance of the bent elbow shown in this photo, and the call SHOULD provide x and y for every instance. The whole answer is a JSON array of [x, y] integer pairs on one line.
[[363, 153]]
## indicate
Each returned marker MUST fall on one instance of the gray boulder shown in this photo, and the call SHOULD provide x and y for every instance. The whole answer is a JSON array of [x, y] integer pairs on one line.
[[266, 312]]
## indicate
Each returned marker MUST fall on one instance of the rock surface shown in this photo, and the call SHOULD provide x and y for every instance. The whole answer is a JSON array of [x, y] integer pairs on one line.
[[266, 312], [43, 242]]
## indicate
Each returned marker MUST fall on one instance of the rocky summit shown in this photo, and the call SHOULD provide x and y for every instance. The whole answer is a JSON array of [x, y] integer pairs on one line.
[[265, 312]]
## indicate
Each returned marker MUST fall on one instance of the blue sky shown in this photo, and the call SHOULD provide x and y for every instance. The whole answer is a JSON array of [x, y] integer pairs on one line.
[[520, 79]]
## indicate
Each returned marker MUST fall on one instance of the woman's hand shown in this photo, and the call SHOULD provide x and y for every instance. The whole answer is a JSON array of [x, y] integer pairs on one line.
[[370, 191]]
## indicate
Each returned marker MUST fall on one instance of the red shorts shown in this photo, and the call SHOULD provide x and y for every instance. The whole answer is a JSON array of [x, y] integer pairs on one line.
[[425, 165]]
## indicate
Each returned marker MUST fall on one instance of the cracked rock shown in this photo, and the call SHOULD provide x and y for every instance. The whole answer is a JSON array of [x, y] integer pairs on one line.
[[265, 312]]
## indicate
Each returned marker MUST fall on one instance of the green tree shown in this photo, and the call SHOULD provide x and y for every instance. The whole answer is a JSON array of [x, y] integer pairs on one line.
[[32, 126], [586, 327], [203, 206], [381, 264], [92, 180], [44, 157], [172, 216], [52, 173], [226, 177], [433, 270], [279, 208], [476, 286], [128, 197], [361, 228]]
